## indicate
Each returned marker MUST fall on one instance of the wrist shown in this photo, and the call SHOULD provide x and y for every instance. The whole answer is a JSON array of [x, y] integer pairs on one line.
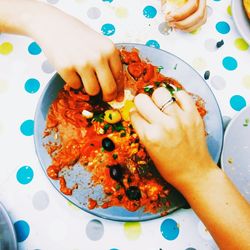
[[199, 176]]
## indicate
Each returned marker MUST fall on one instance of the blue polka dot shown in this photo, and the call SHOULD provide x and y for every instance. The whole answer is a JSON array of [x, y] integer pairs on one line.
[[153, 43], [149, 11], [237, 102], [32, 85], [229, 63], [169, 229], [27, 127], [22, 229], [108, 29], [25, 175], [34, 49], [223, 27]]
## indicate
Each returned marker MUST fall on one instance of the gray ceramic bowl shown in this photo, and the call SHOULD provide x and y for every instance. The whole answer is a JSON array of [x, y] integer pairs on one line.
[[8, 239], [235, 157], [173, 66]]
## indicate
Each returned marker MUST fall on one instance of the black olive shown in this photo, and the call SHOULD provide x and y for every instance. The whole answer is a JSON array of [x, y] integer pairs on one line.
[[219, 44], [207, 75], [116, 172], [133, 193], [108, 144]]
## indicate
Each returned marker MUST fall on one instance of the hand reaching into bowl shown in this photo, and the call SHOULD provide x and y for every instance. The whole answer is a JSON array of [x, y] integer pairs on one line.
[[173, 133], [186, 15], [78, 53]]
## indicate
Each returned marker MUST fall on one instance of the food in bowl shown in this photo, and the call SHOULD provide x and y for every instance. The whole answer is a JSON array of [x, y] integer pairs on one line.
[[99, 136]]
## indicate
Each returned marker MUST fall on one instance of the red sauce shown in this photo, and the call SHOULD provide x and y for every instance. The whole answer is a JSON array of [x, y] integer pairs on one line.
[[81, 142]]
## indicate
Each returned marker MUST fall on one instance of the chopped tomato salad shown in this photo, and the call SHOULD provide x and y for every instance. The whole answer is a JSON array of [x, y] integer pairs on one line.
[[99, 136]]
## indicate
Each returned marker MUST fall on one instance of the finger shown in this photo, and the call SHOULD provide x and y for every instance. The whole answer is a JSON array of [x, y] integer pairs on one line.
[[185, 101], [89, 79], [148, 109], [181, 13], [161, 97], [71, 78], [139, 123], [116, 68], [107, 81], [193, 19], [193, 28]]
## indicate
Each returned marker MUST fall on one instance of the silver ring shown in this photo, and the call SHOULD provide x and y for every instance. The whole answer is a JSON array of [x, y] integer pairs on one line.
[[167, 103]]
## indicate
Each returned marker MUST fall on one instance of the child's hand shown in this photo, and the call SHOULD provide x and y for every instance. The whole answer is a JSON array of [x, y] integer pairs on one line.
[[186, 15], [174, 138], [79, 54]]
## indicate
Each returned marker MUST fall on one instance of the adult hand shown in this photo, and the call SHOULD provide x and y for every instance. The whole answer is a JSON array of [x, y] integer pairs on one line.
[[173, 137], [186, 15]]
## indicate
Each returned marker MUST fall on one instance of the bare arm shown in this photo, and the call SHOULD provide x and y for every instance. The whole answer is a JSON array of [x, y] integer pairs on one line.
[[175, 140], [78, 53]]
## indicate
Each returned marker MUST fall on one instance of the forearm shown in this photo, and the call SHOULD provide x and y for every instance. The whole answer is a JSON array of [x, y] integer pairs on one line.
[[221, 208]]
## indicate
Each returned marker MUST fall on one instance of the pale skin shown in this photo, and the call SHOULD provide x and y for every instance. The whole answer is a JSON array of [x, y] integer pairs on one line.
[[188, 17], [175, 140], [78, 53], [82, 56]]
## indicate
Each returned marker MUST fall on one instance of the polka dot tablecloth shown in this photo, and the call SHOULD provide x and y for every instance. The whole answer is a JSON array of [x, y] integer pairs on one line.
[[42, 218]]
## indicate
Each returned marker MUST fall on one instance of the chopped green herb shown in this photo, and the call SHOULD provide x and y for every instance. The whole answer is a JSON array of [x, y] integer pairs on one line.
[[157, 84], [110, 116], [175, 67], [106, 127], [123, 134], [117, 187], [246, 122], [170, 88], [160, 68], [102, 149], [149, 89], [117, 127], [115, 156], [98, 117]]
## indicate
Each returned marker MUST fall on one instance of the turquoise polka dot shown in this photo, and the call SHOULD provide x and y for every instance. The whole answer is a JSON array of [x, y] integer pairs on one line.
[[22, 229], [110, 1], [237, 102], [149, 11], [25, 175], [222, 27], [229, 63], [27, 127], [32, 85], [34, 49], [153, 43], [169, 229], [108, 29]]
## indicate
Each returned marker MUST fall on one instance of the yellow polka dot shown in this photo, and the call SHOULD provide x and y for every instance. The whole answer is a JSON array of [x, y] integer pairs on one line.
[[246, 81], [6, 48], [132, 230], [199, 63], [121, 12], [241, 44], [229, 10]]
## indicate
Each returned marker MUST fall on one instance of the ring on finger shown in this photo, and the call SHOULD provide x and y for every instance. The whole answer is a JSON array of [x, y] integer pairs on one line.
[[167, 103]]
